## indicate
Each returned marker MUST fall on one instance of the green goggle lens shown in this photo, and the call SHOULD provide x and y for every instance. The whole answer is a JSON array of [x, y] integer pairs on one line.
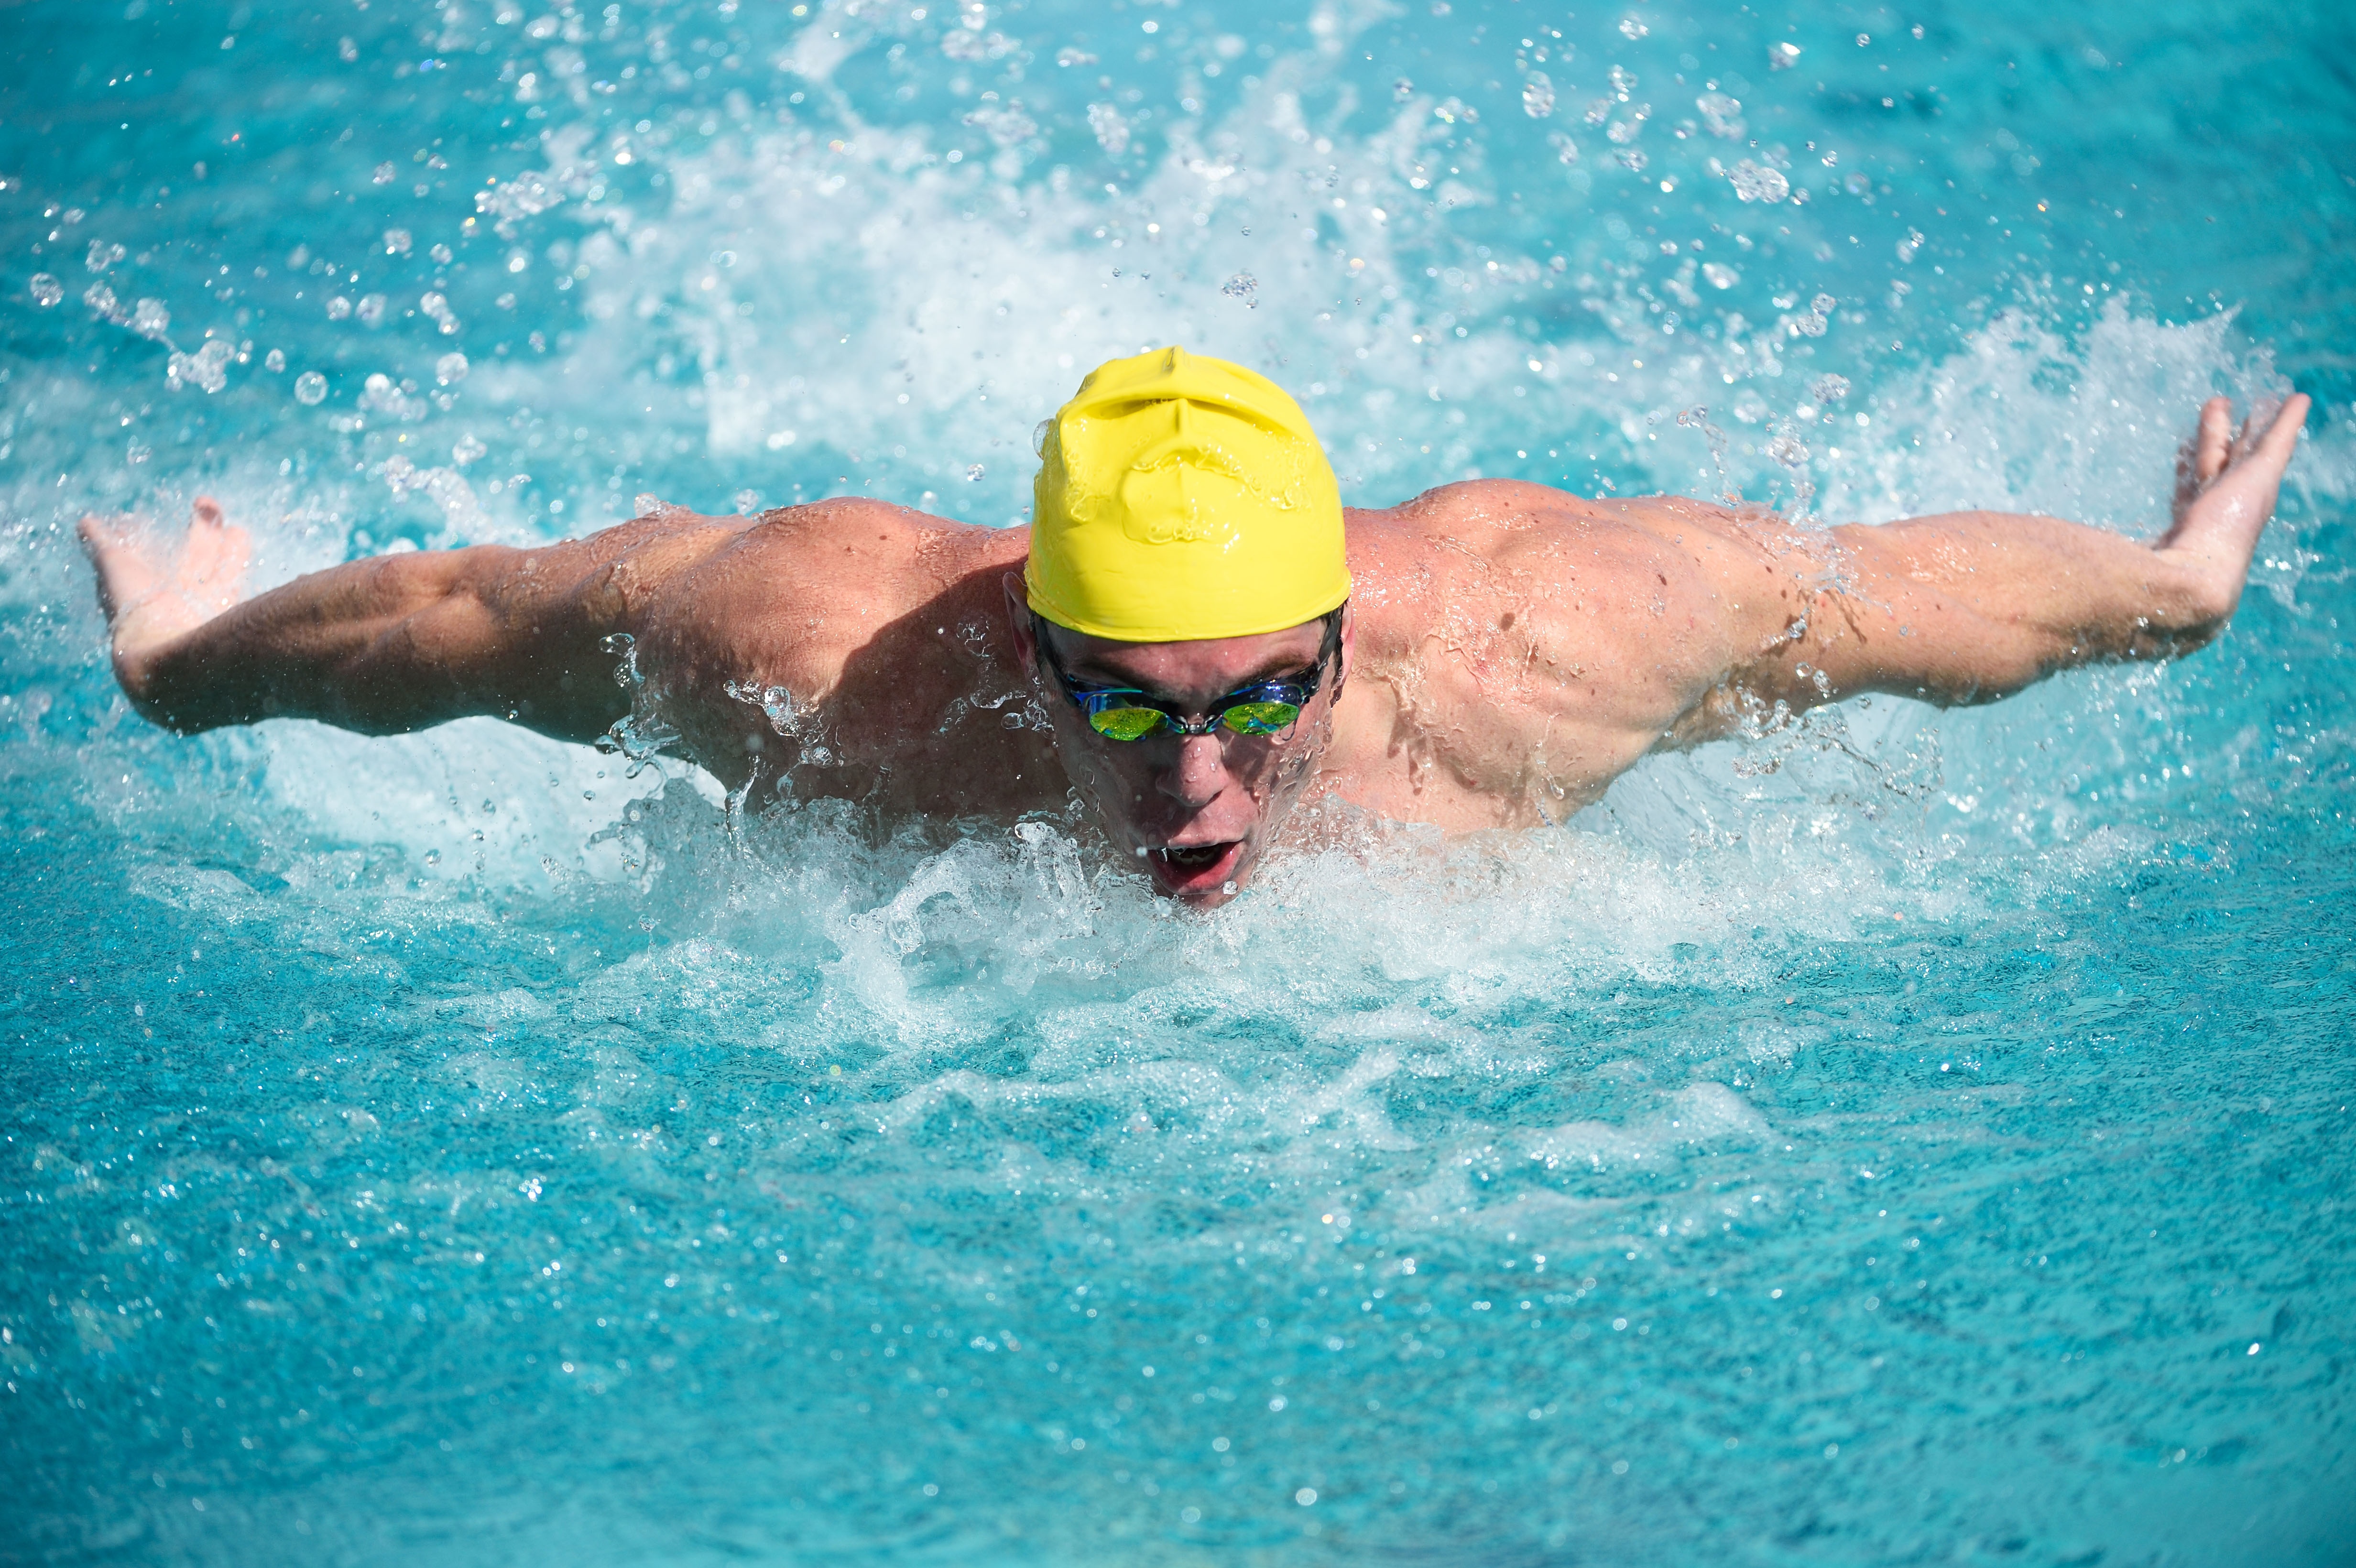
[[1125, 724], [1244, 719], [1260, 717]]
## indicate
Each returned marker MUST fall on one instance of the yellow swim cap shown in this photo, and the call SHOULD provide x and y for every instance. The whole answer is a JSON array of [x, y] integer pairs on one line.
[[1181, 498]]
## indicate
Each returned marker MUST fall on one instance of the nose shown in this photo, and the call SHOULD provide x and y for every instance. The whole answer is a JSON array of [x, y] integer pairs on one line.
[[1197, 774]]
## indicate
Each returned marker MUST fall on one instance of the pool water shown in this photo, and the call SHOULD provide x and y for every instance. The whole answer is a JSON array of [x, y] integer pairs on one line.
[[1905, 1137]]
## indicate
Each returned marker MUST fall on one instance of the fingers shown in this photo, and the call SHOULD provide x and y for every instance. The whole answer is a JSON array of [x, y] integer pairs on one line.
[[214, 558], [2282, 437], [98, 533], [126, 574], [2214, 446]]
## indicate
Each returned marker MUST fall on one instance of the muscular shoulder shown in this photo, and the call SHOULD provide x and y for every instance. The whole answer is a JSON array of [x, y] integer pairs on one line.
[[827, 572], [1540, 642], [1586, 580]]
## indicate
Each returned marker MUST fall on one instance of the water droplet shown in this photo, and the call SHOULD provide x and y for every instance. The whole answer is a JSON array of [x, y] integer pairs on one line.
[[1722, 114], [1720, 276], [1829, 389], [1537, 96], [450, 368], [1756, 182], [1823, 304], [1242, 286], [206, 367], [396, 242], [973, 471], [1402, 90], [1111, 130], [1788, 450], [383, 175], [339, 308], [47, 290], [310, 387], [1631, 28], [1782, 57], [150, 319], [467, 450]]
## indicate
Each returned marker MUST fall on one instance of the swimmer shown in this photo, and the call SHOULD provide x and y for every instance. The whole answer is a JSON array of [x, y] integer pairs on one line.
[[1194, 634]]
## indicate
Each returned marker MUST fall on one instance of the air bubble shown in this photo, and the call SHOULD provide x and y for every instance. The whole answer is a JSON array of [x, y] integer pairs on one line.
[[47, 290], [275, 361], [1829, 389], [310, 387], [973, 471], [1242, 286], [450, 368], [396, 242], [1537, 96]]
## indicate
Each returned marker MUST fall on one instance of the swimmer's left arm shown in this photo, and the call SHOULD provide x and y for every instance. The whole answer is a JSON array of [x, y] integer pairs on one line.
[[1973, 606]]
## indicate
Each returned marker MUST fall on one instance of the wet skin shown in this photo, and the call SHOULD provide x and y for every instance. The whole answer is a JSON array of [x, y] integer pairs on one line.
[[1509, 649]]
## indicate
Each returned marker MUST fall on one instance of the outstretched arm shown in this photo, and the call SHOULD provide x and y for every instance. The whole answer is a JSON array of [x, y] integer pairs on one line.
[[1973, 606], [383, 645]]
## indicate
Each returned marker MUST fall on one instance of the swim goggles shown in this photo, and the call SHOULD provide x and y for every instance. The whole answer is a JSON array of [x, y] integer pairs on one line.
[[1263, 708]]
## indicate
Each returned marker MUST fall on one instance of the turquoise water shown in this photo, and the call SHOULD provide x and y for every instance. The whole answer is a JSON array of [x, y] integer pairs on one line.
[[1907, 1138]]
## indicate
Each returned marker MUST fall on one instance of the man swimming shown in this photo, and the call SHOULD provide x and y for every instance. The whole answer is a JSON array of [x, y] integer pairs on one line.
[[1193, 632]]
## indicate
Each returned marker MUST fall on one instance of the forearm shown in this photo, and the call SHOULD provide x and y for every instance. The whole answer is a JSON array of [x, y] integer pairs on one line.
[[385, 646], [1973, 606]]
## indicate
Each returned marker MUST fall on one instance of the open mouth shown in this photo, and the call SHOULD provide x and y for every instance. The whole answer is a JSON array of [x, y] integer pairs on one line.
[[1196, 869]]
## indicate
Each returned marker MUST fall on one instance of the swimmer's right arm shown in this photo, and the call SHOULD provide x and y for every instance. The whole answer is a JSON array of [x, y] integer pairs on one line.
[[384, 646]]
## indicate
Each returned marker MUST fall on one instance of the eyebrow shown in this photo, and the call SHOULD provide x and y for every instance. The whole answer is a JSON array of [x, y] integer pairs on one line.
[[1274, 669]]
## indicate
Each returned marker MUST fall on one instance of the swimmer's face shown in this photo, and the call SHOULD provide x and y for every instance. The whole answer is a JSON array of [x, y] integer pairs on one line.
[[1194, 812]]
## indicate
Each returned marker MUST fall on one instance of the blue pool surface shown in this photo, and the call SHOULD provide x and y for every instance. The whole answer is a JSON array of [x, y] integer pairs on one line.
[[1907, 1138]]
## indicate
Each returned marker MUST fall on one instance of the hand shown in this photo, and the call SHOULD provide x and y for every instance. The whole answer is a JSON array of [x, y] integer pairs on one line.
[[147, 603], [2225, 488]]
